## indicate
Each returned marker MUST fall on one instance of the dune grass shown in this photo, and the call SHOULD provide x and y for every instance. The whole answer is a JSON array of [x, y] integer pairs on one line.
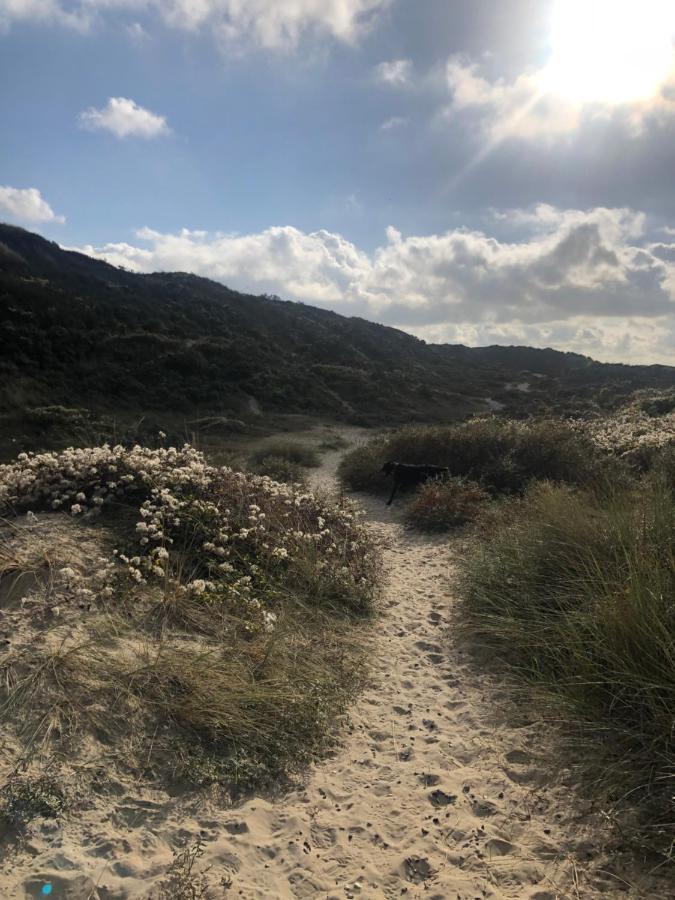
[[445, 503], [299, 454], [577, 594], [183, 620], [501, 455]]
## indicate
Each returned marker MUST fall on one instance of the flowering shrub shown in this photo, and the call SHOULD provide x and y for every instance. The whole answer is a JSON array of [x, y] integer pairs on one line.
[[636, 432], [201, 530], [444, 503]]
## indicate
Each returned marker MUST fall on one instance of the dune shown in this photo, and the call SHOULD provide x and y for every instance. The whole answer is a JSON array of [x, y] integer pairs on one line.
[[433, 792]]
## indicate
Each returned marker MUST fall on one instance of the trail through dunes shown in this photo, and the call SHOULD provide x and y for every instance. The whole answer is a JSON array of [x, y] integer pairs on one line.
[[432, 793]]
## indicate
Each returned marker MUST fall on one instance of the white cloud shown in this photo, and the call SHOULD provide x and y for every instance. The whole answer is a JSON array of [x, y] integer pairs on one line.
[[394, 122], [396, 72], [266, 23], [526, 108], [124, 118], [576, 279], [26, 205], [509, 109]]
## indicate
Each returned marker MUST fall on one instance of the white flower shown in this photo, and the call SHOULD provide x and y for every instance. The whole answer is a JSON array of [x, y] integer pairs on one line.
[[75, 509]]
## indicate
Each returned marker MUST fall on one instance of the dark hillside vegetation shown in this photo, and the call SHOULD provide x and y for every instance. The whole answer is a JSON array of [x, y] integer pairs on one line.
[[81, 334]]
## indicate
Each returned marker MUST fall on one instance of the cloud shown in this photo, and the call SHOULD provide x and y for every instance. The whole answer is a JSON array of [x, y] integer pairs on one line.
[[396, 72], [26, 205], [519, 108], [394, 122], [265, 23], [576, 275], [124, 118], [526, 108]]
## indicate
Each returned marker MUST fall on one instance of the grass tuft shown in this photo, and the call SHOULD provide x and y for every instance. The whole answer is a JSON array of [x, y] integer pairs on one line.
[[441, 504], [291, 451]]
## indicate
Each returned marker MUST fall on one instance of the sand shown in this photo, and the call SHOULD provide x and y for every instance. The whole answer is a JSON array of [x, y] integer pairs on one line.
[[433, 793]]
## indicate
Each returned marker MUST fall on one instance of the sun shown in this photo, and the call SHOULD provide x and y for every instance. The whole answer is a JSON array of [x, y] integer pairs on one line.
[[610, 51]]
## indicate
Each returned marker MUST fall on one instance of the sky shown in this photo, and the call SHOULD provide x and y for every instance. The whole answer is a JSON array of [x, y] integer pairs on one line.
[[470, 171]]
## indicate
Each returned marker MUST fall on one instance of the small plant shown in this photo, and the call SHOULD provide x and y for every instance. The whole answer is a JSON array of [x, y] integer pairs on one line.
[[182, 881], [441, 504], [292, 451], [24, 799]]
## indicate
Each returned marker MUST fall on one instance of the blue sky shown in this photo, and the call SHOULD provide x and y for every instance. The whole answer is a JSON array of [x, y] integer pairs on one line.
[[470, 171]]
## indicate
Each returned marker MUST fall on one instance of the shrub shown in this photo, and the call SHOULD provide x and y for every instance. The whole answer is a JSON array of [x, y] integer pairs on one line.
[[280, 469], [502, 455], [578, 592], [24, 799], [224, 623], [292, 451], [441, 504], [182, 880]]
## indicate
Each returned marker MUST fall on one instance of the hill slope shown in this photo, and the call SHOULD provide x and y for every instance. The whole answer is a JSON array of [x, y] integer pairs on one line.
[[79, 332]]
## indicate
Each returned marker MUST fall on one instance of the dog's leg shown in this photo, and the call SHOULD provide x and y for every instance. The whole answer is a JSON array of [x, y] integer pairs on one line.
[[393, 493]]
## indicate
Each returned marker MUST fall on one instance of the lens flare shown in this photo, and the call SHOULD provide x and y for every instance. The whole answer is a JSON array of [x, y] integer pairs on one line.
[[610, 51]]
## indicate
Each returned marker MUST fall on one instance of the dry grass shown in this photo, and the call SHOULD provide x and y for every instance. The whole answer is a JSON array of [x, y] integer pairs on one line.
[[300, 454], [575, 593], [442, 504], [233, 679]]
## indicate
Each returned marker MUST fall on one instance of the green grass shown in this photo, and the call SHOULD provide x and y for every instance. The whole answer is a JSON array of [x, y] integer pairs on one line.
[[292, 451], [280, 469], [577, 593], [502, 455]]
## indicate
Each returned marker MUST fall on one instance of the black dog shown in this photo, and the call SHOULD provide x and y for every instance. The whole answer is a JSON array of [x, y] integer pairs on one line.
[[410, 475]]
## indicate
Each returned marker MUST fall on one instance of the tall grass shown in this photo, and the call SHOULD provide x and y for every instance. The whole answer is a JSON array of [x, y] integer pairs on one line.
[[502, 455], [292, 451], [579, 594]]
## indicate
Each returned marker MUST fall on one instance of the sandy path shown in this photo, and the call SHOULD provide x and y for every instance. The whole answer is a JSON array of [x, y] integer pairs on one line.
[[431, 794]]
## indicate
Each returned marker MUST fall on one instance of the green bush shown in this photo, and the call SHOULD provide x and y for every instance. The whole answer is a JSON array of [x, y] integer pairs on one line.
[[292, 451], [441, 504], [579, 592], [280, 469], [503, 455]]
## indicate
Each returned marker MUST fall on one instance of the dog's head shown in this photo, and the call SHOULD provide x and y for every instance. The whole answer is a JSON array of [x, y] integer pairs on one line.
[[388, 468]]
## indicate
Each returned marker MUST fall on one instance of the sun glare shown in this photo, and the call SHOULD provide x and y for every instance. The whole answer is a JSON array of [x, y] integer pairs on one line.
[[610, 51]]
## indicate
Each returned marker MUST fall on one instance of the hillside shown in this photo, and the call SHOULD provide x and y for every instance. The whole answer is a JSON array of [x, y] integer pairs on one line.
[[78, 332]]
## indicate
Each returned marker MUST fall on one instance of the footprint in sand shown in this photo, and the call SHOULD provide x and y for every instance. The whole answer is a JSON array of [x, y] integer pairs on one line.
[[429, 780], [483, 809], [439, 798], [417, 869], [518, 757], [498, 847]]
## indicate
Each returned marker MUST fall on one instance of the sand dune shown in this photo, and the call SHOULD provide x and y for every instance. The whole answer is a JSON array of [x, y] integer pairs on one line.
[[432, 793]]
